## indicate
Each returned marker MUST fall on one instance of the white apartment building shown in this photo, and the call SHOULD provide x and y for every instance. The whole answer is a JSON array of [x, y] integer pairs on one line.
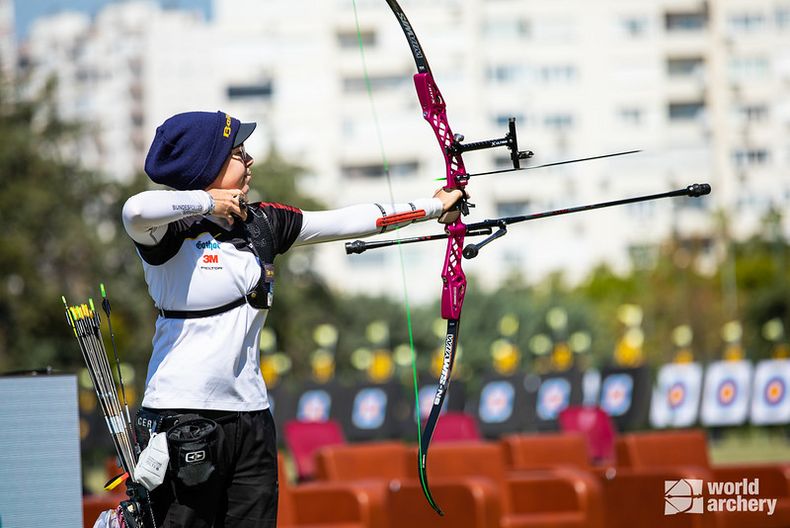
[[702, 88], [8, 51], [102, 69]]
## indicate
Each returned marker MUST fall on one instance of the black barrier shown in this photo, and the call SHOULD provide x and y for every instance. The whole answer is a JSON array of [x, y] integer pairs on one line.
[[505, 404], [557, 391], [317, 402], [625, 396], [372, 411]]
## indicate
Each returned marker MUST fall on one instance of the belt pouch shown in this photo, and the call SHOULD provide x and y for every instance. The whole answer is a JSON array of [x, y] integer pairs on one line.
[[194, 448]]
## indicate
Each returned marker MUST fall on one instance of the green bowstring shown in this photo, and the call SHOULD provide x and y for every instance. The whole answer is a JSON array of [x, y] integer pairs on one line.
[[385, 163]]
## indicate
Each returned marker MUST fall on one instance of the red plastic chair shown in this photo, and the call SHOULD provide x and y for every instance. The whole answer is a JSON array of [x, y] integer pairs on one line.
[[595, 425], [456, 427], [303, 439]]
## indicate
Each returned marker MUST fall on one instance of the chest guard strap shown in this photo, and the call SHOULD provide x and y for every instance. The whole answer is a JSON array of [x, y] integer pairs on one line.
[[259, 236]]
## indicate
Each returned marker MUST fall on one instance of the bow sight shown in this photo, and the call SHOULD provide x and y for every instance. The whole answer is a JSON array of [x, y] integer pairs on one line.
[[510, 141]]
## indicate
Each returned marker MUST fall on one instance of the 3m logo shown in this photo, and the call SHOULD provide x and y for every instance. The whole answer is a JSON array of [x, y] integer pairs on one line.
[[194, 457], [683, 496], [210, 259]]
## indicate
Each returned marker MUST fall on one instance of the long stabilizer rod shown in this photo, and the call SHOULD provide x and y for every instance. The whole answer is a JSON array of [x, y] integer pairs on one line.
[[486, 227]]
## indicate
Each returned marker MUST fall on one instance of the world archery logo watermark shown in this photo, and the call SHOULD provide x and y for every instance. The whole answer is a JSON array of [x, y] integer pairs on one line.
[[683, 496], [686, 496]]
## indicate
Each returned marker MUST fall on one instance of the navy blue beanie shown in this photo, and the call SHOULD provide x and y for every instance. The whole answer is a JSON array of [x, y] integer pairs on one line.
[[189, 149]]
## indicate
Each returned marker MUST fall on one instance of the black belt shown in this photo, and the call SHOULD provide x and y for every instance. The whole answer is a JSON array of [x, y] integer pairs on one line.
[[195, 314], [218, 416]]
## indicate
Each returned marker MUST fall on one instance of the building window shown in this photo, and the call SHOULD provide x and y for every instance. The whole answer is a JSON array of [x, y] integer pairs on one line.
[[782, 16], [685, 67], [558, 121], [750, 157], [510, 28], [746, 22], [513, 208], [502, 120], [376, 170], [350, 39], [643, 211], [559, 30], [377, 83], [631, 115], [686, 111], [748, 68], [634, 26], [754, 113], [562, 73], [507, 73], [245, 91], [685, 21]]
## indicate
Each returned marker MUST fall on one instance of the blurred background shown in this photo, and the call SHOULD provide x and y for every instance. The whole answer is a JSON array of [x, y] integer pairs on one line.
[[702, 88]]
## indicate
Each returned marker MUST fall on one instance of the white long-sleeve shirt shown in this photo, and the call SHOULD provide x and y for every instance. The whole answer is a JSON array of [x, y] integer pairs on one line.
[[195, 262]]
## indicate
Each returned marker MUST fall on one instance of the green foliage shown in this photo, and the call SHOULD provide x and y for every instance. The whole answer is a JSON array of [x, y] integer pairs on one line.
[[62, 238]]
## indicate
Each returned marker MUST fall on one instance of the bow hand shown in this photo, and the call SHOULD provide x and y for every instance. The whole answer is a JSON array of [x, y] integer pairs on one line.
[[454, 204]]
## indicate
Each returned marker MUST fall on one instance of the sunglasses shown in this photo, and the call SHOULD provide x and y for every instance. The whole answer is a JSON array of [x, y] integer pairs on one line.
[[240, 153]]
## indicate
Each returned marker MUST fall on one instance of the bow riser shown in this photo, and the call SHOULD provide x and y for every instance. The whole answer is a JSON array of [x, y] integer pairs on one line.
[[433, 110], [453, 277]]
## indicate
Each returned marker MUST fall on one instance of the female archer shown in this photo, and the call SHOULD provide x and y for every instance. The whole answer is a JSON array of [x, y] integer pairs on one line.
[[208, 258]]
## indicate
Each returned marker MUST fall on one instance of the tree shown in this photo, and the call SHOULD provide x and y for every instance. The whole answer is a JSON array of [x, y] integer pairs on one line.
[[60, 239]]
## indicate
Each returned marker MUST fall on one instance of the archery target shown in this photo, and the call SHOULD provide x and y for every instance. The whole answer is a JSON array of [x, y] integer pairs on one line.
[[676, 395], [496, 402], [616, 394], [554, 396], [770, 400], [370, 408], [725, 399], [314, 406]]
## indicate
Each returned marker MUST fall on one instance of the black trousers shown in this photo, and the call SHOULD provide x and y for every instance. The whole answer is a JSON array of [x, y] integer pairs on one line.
[[243, 491]]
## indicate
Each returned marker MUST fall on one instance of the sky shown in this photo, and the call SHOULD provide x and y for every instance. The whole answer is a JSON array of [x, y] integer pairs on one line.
[[26, 11]]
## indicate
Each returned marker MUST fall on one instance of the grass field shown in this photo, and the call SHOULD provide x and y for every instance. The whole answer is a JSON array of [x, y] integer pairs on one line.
[[750, 445]]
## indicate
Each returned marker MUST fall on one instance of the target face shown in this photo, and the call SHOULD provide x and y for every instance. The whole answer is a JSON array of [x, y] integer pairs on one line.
[[314, 406], [554, 396], [676, 395], [370, 408], [770, 398], [616, 394], [496, 402], [727, 394], [775, 391]]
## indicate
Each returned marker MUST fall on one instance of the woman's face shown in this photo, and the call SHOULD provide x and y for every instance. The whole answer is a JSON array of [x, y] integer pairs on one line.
[[236, 173]]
